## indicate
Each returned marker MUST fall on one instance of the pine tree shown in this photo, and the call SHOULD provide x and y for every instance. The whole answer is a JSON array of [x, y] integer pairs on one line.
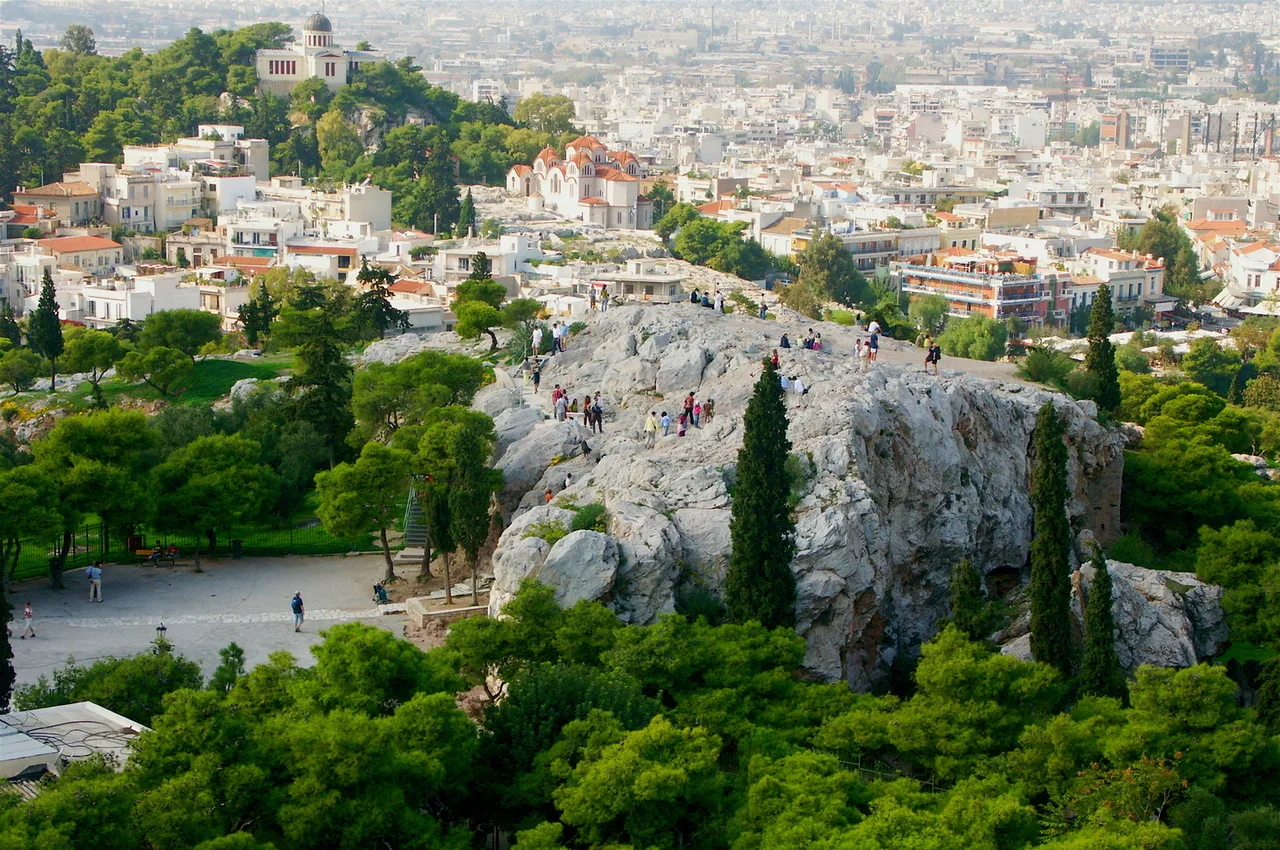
[[44, 329], [1051, 546], [760, 585], [969, 609], [1100, 673], [1101, 357], [466, 217]]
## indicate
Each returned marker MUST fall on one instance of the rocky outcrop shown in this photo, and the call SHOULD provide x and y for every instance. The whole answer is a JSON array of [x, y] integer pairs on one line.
[[899, 475]]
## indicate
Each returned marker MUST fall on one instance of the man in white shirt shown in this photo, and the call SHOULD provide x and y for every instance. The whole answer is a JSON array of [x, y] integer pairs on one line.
[[874, 327], [537, 340], [719, 301]]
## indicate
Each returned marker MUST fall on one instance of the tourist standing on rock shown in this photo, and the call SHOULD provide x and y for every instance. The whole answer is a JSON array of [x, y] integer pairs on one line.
[[597, 414], [763, 312], [556, 393], [697, 415], [555, 337], [299, 611], [537, 339], [665, 422], [874, 327], [586, 411], [873, 344], [861, 351], [683, 422], [708, 409], [784, 342], [94, 574], [591, 299], [934, 355], [562, 408], [817, 342], [688, 406], [719, 301], [604, 299], [650, 430]]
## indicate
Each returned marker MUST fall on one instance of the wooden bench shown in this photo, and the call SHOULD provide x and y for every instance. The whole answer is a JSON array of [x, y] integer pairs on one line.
[[155, 556]]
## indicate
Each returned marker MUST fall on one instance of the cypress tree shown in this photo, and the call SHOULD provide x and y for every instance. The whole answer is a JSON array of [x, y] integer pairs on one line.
[[1051, 545], [760, 585], [1101, 357], [968, 607], [466, 217], [44, 329], [1100, 673]]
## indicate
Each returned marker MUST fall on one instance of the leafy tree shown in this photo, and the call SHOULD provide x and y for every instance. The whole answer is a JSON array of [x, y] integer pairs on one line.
[[365, 496], [1209, 364], [19, 368], [100, 464], [134, 687], [676, 217], [975, 337], [182, 330], [663, 199], [386, 398], [658, 787], [9, 328], [928, 312], [1051, 545], [545, 113], [44, 328], [257, 315], [478, 302], [1101, 358], [160, 368], [213, 483], [94, 352], [79, 39], [373, 312], [828, 268], [470, 488], [466, 225], [1100, 673], [801, 298], [340, 144], [760, 585]]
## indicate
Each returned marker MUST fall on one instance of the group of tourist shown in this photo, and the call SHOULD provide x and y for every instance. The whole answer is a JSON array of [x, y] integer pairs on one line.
[[590, 408], [599, 301], [693, 413], [707, 299], [559, 332]]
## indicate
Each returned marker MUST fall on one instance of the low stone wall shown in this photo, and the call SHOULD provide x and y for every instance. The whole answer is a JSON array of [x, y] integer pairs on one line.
[[422, 610]]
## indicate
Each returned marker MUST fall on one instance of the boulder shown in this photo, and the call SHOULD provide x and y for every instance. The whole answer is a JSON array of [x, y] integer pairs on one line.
[[494, 399], [514, 424], [243, 388], [1162, 618], [681, 368], [523, 462], [582, 565]]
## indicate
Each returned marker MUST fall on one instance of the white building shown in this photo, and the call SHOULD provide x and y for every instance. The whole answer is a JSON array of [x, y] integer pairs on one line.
[[591, 184], [144, 198], [260, 228], [317, 55], [320, 209], [215, 144]]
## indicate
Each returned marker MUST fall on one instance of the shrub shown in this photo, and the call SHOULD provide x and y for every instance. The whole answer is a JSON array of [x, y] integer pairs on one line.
[[577, 328], [551, 531], [1045, 366], [1132, 549], [1082, 384], [592, 517]]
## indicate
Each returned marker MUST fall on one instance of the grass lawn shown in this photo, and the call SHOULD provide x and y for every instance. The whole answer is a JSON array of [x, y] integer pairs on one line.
[[209, 380]]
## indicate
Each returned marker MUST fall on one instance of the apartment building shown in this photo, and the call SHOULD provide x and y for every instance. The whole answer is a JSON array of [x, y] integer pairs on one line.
[[1135, 280], [94, 255], [146, 199], [213, 144], [978, 284], [72, 200], [361, 202], [260, 228]]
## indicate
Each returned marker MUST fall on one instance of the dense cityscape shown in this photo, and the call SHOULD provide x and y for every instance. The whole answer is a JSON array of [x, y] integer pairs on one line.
[[729, 425]]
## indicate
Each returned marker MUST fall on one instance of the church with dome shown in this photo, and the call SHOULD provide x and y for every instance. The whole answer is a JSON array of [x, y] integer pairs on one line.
[[591, 184], [317, 54]]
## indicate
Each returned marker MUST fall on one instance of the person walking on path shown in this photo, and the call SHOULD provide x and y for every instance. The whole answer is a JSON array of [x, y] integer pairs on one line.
[[536, 374], [591, 299], [683, 421], [299, 611], [562, 408], [537, 340], [665, 422], [94, 574], [29, 620], [650, 431]]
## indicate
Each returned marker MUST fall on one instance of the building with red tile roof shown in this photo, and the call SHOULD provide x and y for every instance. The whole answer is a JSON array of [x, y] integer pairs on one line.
[[589, 183]]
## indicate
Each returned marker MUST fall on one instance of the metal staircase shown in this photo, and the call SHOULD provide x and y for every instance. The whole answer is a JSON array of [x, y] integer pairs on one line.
[[415, 530]]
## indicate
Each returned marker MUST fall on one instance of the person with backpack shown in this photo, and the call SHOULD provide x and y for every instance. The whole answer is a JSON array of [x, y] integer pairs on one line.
[[934, 355], [299, 611], [597, 414]]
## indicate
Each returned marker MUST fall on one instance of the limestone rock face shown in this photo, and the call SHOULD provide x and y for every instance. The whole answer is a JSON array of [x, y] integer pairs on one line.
[[1162, 618], [515, 423], [582, 565], [901, 475]]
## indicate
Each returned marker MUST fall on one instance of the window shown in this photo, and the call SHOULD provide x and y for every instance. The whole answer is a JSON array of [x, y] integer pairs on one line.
[[464, 264], [330, 69], [344, 262]]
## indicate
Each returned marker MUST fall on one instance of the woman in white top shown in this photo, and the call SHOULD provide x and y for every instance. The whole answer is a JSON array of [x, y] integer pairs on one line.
[[29, 619]]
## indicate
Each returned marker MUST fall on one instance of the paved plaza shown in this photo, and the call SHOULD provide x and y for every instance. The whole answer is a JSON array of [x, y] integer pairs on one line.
[[245, 601]]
